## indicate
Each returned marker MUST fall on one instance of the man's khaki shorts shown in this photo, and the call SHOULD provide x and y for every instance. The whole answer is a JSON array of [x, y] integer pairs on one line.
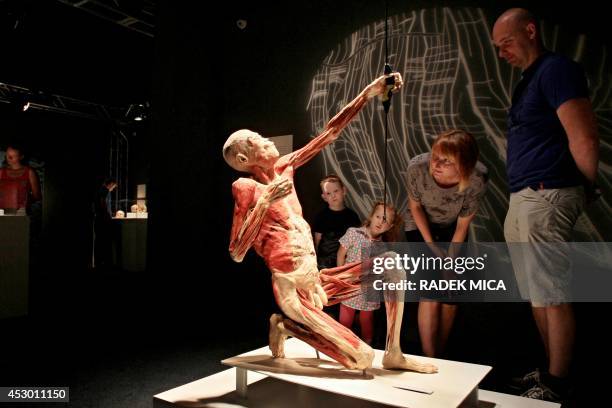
[[537, 225]]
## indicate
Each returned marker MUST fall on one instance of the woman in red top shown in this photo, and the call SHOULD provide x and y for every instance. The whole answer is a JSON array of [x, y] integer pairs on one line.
[[19, 185]]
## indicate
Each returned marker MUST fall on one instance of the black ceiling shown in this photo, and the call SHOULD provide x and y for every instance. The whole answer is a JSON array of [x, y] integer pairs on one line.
[[56, 48]]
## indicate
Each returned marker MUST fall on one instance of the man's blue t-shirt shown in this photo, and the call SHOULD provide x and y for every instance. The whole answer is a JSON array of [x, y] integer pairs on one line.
[[538, 150]]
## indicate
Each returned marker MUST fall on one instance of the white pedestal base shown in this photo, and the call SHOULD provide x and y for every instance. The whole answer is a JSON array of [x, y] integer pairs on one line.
[[277, 383], [455, 385]]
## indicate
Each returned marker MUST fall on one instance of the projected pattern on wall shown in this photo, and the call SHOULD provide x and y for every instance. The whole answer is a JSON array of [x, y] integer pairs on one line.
[[453, 79]]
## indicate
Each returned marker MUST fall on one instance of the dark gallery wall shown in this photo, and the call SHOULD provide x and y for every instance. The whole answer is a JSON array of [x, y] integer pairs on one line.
[[59, 49]]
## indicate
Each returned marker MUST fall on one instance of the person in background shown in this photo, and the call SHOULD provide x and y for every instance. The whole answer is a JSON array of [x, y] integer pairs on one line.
[[103, 226], [19, 184]]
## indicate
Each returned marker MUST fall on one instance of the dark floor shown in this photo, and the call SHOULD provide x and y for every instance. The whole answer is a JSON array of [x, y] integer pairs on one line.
[[117, 338]]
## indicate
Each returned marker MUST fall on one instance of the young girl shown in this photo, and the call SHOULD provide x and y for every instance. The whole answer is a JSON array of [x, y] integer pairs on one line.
[[444, 189], [374, 229]]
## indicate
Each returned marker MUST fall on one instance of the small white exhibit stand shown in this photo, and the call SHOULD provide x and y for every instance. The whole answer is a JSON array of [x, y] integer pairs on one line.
[[303, 380]]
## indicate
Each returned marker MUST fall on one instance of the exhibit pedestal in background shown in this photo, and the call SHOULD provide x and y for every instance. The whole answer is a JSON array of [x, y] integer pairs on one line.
[[14, 265], [132, 244]]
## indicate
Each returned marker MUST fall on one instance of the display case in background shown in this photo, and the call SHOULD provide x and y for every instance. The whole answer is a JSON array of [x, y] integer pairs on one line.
[[131, 232], [14, 265]]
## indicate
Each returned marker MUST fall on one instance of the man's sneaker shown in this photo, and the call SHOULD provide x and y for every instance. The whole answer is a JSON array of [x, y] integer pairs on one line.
[[521, 384], [542, 392]]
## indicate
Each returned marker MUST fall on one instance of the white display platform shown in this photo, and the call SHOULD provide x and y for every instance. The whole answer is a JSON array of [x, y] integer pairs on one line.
[[268, 390], [454, 385]]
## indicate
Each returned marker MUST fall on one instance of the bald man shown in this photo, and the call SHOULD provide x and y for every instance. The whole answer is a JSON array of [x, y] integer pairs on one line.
[[552, 157]]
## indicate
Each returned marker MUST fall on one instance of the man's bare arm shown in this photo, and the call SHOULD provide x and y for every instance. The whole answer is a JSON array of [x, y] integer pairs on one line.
[[247, 221], [337, 123], [578, 120]]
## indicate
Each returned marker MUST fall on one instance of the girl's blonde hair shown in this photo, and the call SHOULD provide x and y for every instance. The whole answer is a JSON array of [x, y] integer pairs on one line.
[[462, 148], [393, 233]]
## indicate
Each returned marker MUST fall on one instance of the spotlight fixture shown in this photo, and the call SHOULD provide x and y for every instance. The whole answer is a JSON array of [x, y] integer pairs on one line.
[[138, 118], [137, 112], [21, 102]]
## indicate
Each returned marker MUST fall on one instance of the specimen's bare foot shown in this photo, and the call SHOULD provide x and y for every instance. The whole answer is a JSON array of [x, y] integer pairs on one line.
[[395, 360], [277, 336]]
